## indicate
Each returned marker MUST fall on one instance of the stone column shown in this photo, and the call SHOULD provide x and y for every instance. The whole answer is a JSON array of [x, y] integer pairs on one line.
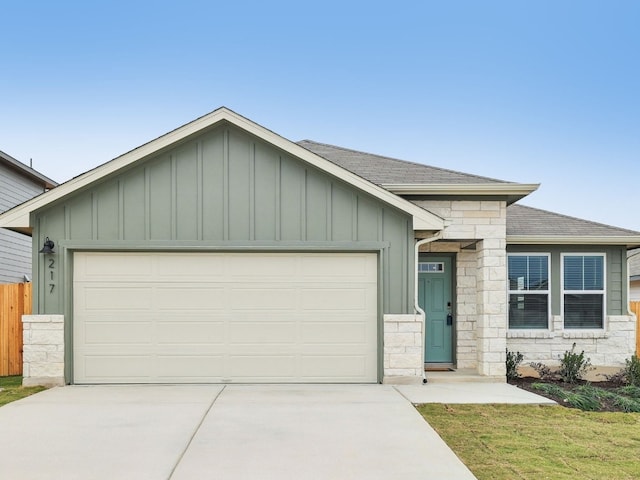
[[491, 326], [403, 349], [43, 350]]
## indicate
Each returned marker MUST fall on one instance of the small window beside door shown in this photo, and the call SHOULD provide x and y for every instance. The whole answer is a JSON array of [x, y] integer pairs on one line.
[[431, 267]]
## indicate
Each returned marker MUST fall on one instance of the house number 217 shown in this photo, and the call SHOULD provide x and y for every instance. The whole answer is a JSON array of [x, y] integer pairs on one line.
[[52, 267]]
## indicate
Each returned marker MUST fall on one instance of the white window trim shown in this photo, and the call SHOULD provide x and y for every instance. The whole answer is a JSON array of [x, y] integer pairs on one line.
[[603, 291], [547, 291]]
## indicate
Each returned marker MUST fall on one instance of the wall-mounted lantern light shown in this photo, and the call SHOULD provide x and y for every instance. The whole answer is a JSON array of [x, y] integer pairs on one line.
[[48, 246]]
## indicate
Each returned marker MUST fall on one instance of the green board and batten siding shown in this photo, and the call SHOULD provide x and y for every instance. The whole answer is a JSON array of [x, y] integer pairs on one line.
[[616, 272], [223, 189]]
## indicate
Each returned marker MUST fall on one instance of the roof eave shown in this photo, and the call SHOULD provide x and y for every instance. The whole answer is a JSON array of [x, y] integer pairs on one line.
[[28, 231], [628, 240], [27, 171], [514, 191]]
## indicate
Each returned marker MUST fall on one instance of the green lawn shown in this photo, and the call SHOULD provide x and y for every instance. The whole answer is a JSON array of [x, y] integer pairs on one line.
[[539, 442], [11, 389]]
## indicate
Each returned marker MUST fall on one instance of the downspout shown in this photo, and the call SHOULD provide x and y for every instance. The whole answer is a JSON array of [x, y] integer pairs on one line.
[[416, 305], [629, 284], [631, 314]]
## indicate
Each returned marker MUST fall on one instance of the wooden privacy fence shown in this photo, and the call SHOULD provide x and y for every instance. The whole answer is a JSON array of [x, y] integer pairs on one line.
[[635, 308], [15, 301]]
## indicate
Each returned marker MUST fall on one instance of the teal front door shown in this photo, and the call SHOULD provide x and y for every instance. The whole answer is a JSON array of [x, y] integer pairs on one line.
[[434, 297]]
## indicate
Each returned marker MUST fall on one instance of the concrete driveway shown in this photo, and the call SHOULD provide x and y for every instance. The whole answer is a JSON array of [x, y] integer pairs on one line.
[[222, 432]]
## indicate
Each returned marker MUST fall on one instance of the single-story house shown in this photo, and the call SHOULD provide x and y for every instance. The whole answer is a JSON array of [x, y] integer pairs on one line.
[[18, 183], [223, 252]]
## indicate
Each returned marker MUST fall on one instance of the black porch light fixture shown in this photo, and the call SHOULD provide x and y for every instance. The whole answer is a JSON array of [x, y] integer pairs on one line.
[[48, 246]]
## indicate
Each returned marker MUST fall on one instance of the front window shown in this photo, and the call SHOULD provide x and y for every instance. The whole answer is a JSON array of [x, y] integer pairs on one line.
[[583, 290], [528, 291]]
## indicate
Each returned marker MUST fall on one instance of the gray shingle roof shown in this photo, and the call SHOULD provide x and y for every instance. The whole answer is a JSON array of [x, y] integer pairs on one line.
[[522, 220], [385, 170]]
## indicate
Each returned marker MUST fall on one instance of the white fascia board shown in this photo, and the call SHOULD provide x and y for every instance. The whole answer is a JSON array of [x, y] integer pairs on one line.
[[506, 188], [18, 217], [15, 219], [627, 240]]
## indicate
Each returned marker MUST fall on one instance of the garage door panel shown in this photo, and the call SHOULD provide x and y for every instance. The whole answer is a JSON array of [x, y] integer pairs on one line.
[[273, 367], [336, 299], [189, 297], [252, 266], [117, 333], [263, 298], [349, 267], [124, 297], [190, 333], [220, 317], [331, 318], [190, 366], [336, 333], [112, 265], [108, 369], [255, 333], [345, 366], [187, 267]]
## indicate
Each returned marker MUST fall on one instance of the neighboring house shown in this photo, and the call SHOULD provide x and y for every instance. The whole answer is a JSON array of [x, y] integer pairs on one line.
[[634, 275], [222, 252], [18, 183]]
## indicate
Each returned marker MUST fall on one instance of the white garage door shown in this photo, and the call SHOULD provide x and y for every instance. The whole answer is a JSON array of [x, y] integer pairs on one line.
[[225, 317]]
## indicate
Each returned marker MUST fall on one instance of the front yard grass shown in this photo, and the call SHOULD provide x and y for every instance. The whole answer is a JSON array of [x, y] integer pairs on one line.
[[539, 442], [11, 389]]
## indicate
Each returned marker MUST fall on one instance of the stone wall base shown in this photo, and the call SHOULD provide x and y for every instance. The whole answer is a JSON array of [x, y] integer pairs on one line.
[[403, 350], [43, 350], [43, 381], [609, 347]]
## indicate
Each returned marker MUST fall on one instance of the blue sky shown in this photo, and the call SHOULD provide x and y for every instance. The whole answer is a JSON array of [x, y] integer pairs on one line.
[[534, 92]]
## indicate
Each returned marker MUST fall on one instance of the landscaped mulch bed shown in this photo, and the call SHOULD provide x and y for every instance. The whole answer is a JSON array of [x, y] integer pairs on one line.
[[605, 402]]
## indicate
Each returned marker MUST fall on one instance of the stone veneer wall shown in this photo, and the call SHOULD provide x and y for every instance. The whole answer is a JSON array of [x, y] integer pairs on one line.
[[403, 357], [43, 350], [491, 326], [481, 275], [609, 347]]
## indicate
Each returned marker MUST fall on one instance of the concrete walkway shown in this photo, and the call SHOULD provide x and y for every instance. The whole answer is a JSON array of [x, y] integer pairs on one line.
[[471, 393], [236, 431]]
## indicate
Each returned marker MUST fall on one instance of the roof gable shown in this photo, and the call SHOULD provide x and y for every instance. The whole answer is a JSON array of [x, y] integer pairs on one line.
[[18, 217]]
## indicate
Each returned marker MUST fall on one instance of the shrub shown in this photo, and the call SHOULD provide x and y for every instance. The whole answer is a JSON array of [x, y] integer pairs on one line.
[[513, 362], [544, 372], [632, 371], [583, 399], [586, 401], [627, 404], [550, 388], [629, 375], [618, 377], [573, 366], [632, 391]]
